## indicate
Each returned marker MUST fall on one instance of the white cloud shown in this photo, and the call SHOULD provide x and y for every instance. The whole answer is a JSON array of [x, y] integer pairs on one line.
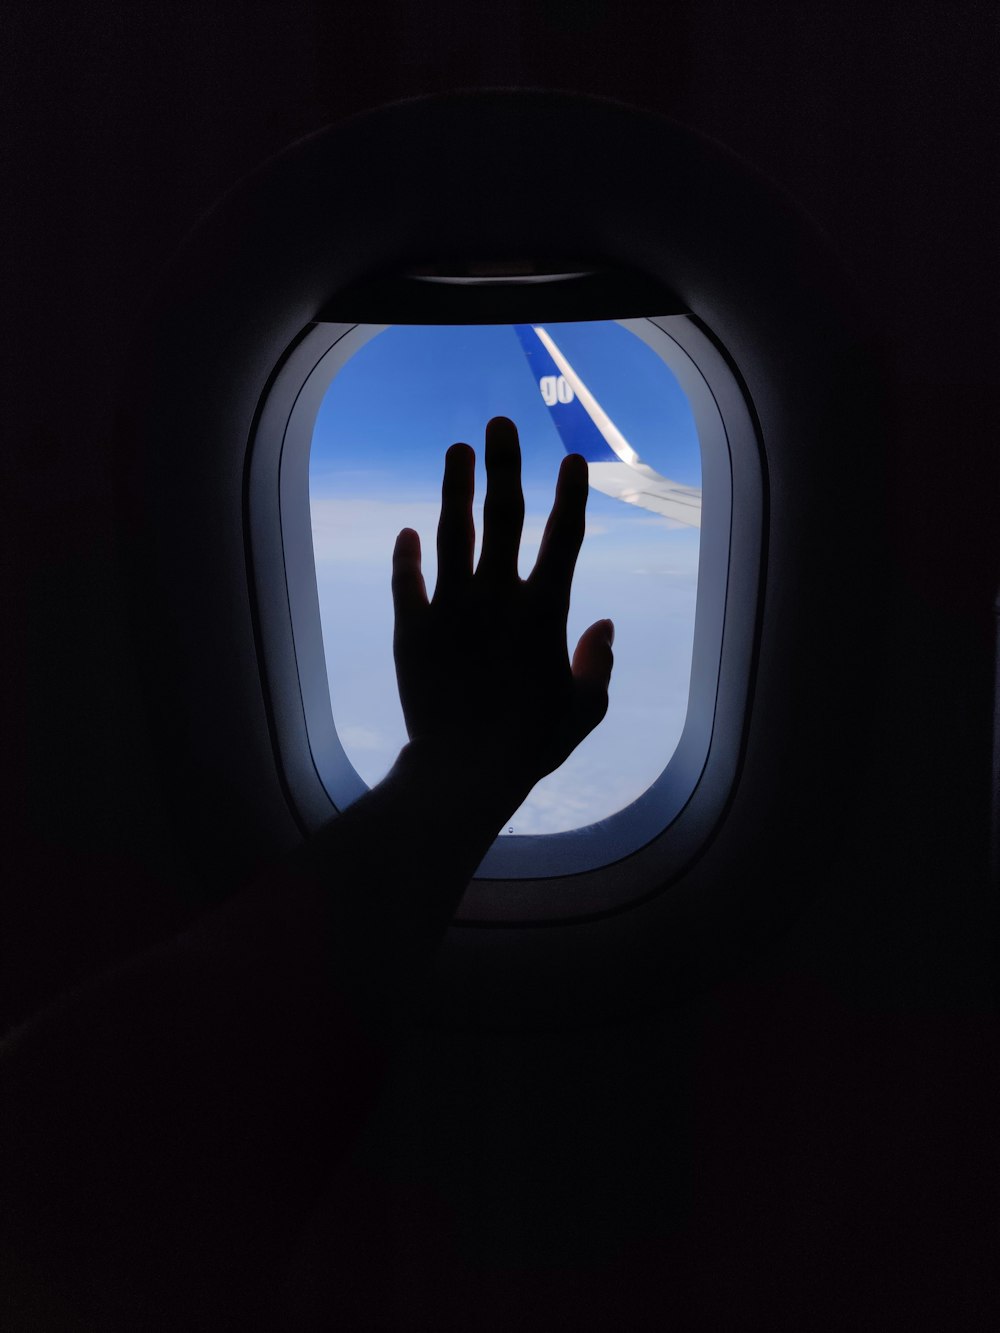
[[562, 802], [363, 531], [363, 739]]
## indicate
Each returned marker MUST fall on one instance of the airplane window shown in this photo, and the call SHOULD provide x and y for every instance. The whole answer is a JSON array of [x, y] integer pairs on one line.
[[348, 448], [594, 388]]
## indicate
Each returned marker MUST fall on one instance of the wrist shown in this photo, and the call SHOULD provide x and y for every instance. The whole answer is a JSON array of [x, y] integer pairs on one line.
[[464, 778]]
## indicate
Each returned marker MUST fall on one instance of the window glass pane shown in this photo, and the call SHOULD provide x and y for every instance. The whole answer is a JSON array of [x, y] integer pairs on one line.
[[375, 467]]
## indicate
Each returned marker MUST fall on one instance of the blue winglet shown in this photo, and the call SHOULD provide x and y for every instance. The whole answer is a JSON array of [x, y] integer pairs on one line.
[[577, 431]]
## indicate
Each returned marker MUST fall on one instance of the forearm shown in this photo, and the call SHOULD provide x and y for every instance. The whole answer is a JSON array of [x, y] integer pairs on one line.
[[437, 813], [196, 1096]]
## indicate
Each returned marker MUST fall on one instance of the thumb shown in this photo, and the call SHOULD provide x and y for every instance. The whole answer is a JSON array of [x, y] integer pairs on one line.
[[592, 663]]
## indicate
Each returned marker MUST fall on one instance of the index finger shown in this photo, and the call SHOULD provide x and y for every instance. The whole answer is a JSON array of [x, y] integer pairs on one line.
[[564, 530]]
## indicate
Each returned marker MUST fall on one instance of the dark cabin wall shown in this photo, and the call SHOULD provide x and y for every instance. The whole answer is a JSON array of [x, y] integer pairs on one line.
[[808, 1146]]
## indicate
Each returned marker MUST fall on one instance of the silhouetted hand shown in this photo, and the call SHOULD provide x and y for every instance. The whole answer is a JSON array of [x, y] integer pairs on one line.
[[482, 667]]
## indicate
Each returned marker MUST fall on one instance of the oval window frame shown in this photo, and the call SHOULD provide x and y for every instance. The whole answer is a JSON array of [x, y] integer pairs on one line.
[[631, 854]]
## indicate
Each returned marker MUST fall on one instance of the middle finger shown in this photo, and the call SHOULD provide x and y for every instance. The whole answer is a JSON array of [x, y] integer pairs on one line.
[[503, 512]]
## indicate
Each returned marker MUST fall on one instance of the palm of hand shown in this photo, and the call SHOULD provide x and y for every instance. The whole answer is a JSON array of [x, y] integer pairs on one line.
[[483, 667]]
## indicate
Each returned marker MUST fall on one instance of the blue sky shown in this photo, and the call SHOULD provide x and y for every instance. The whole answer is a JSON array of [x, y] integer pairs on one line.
[[375, 467]]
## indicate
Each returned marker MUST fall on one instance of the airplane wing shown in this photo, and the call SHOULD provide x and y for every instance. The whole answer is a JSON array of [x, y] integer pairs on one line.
[[585, 428]]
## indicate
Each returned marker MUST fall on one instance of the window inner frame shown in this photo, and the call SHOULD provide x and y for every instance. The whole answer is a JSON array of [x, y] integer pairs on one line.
[[630, 853]]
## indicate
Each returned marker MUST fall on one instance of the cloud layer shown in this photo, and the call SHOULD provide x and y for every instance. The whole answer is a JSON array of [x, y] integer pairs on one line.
[[639, 573]]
